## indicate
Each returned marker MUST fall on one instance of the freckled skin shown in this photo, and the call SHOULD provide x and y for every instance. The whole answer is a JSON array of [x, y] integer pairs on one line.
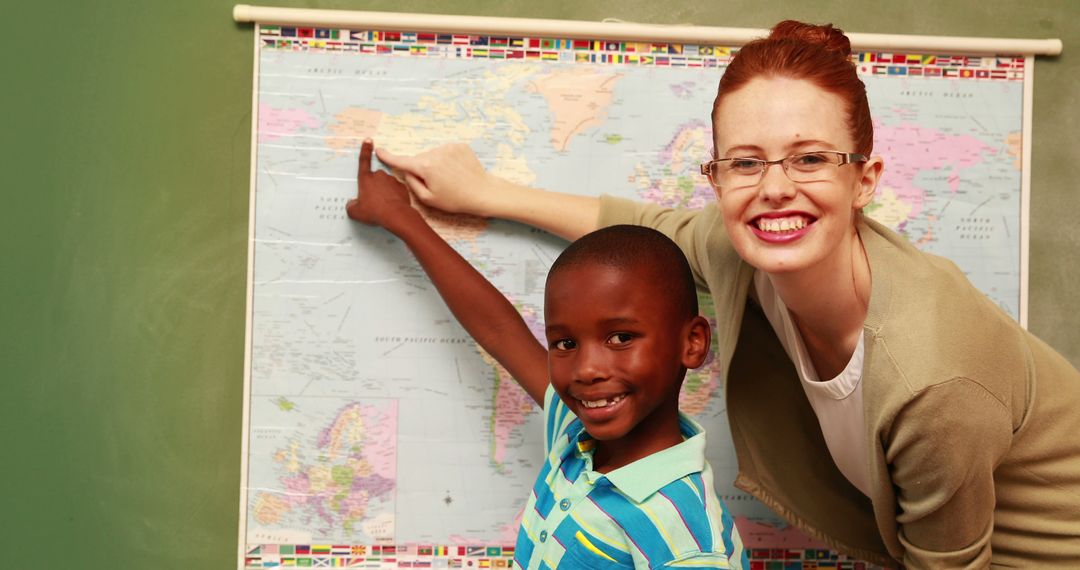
[[770, 118], [612, 332]]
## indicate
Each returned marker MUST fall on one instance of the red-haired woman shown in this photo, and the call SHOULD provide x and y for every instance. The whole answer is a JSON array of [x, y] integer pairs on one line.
[[954, 434]]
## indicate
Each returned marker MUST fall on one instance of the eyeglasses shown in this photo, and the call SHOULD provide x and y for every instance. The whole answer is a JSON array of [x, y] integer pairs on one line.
[[817, 166]]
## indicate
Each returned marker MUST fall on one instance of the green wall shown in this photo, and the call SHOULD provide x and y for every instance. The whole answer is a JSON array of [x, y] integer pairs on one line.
[[126, 129]]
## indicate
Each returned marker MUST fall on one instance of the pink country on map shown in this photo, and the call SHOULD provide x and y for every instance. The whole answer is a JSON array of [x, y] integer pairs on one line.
[[578, 98], [910, 150], [275, 123]]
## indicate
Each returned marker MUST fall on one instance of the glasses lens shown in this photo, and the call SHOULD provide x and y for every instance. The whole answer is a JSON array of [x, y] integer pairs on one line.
[[736, 172], [745, 166], [811, 166]]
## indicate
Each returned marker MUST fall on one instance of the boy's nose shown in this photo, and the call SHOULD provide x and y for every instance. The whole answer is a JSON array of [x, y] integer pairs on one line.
[[591, 366]]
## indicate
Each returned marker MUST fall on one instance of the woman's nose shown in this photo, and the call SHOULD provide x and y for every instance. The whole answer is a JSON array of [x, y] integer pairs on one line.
[[775, 186]]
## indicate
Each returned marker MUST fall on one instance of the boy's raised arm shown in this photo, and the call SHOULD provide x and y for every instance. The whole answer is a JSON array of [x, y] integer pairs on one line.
[[484, 312]]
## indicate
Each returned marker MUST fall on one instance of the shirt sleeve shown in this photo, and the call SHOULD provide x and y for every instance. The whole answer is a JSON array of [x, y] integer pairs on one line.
[[942, 452], [556, 417], [551, 402]]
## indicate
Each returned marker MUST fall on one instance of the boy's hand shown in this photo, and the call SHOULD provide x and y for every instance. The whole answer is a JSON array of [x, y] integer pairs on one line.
[[380, 199]]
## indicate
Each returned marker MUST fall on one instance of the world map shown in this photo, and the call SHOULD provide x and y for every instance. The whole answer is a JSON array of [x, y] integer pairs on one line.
[[372, 415]]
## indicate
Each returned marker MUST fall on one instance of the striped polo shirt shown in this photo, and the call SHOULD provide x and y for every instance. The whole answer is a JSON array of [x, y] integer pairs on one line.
[[657, 512]]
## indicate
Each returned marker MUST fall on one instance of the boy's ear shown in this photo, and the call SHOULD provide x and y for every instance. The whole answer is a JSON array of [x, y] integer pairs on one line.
[[696, 343]]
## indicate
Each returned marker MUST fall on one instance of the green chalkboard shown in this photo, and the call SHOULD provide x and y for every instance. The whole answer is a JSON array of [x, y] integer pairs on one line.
[[124, 249]]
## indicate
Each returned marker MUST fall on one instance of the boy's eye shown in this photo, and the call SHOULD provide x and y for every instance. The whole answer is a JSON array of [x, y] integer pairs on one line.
[[620, 338], [564, 344]]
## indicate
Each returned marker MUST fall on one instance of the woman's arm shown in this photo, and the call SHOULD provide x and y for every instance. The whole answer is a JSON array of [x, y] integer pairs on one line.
[[484, 312], [942, 452], [451, 178]]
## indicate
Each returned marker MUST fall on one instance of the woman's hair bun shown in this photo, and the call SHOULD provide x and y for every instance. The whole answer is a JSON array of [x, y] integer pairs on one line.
[[826, 36]]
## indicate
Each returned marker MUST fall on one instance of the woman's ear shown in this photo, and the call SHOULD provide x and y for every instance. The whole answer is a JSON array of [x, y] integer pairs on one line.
[[697, 342], [868, 181]]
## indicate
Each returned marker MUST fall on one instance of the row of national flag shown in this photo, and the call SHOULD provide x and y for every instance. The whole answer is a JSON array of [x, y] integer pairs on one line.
[[944, 72], [485, 556], [1008, 68], [557, 44], [802, 559], [377, 556], [380, 550], [466, 46], [1008, 62], [253, 563], [574, 44]]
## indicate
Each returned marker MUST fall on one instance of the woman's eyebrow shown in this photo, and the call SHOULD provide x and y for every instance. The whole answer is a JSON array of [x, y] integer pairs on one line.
[[821, 145], [745, 148], [801, 144]]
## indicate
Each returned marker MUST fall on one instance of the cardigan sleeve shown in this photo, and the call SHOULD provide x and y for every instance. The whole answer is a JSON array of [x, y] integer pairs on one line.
[[942, 452]]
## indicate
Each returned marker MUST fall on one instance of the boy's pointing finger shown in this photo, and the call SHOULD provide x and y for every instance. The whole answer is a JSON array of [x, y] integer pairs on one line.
[[365, 157]]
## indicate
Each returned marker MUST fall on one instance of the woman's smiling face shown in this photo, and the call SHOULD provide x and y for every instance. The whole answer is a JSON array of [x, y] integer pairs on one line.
[[777, 225]]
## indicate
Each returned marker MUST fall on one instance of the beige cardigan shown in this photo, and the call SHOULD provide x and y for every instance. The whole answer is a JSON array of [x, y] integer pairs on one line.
[[973, 424]]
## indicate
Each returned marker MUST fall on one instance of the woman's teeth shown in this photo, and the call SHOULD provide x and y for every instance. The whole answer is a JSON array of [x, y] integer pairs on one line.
[[781, 224], [602, 403]]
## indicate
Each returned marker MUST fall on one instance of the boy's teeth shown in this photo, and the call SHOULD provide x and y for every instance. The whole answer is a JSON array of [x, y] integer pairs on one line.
[[602, 403], [781, 224]]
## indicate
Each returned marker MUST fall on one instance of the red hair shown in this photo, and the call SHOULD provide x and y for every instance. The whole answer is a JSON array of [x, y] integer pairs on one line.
[[819, 54]]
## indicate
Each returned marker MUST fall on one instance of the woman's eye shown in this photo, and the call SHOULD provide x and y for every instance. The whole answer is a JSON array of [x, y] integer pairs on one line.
[[745, 165], [620, 338], [563, 344], [812, 159]]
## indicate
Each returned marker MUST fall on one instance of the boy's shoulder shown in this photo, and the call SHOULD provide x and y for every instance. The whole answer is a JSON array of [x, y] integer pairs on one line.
[[682, 522], [663, 506]]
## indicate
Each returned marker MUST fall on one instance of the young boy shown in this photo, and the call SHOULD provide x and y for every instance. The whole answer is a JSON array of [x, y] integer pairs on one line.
[[626, 483]]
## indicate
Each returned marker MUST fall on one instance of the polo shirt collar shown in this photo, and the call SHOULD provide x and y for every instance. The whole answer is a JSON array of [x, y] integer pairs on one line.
[[647, 475]]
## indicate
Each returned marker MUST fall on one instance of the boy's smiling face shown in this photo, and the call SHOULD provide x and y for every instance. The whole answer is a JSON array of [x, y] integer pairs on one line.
[[618, 348]]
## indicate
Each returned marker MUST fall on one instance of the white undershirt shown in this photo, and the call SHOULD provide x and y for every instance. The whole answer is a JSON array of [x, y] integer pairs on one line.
[[837, 402]]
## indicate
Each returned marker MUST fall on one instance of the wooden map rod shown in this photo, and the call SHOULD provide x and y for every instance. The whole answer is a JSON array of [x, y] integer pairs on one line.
[[623, 31]]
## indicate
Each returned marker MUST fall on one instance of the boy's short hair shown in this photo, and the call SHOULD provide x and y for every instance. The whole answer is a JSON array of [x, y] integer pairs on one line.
[[658, 259]]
